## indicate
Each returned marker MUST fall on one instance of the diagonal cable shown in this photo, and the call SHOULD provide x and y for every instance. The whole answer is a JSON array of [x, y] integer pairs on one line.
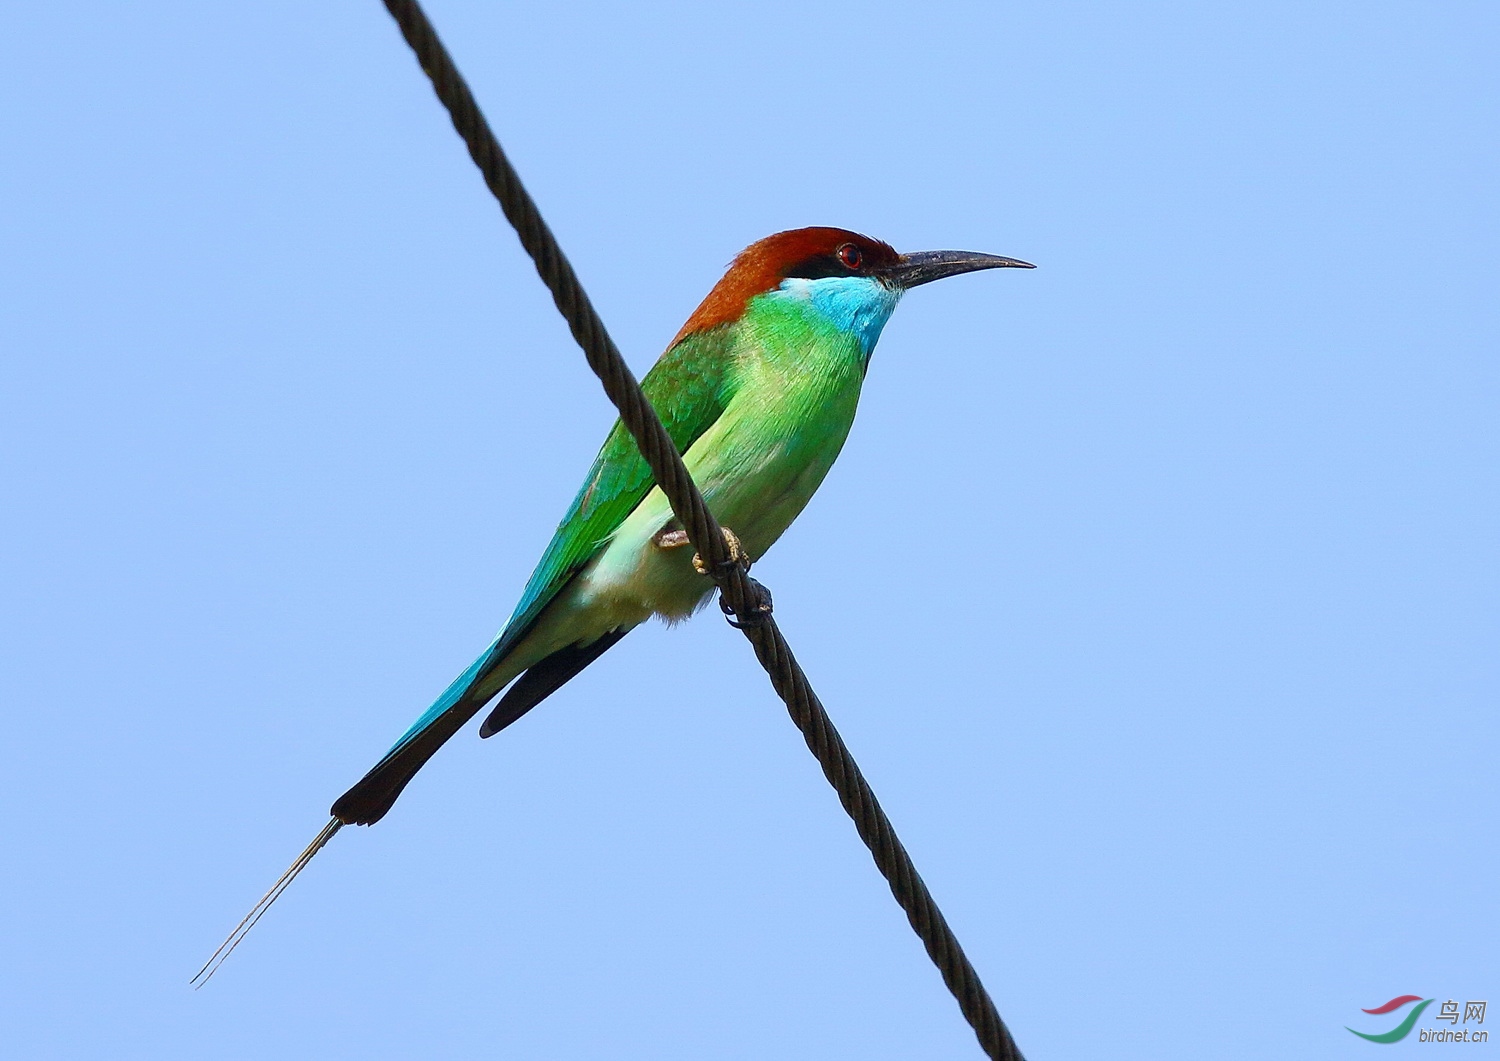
[[744, 600]]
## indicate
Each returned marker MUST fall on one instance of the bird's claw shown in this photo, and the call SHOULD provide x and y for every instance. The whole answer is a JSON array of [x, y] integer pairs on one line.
[[737, 555], [675, 538]]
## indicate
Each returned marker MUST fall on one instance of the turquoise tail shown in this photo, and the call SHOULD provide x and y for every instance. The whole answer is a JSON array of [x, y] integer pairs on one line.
[[369, 800]]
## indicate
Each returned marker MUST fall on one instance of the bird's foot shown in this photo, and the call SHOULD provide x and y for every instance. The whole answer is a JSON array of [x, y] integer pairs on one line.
[[674, 538], [671, 538], [737, 555]]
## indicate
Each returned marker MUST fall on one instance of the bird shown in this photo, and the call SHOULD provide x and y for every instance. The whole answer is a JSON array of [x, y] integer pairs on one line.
[[758, 391]]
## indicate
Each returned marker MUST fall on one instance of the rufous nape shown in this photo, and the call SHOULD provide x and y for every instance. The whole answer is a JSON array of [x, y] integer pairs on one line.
[[758, 391]]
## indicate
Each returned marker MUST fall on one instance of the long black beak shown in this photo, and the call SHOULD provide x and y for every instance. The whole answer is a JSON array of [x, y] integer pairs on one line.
[[923, 267]]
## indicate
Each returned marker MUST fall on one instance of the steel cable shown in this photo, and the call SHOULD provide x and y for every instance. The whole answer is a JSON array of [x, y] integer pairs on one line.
[[745, 601]]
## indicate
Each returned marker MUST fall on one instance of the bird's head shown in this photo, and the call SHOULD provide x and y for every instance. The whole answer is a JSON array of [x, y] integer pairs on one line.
[[852, 279]]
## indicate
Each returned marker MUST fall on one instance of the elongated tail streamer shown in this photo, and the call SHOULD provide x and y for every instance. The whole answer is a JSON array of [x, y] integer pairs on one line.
[[258, 910]]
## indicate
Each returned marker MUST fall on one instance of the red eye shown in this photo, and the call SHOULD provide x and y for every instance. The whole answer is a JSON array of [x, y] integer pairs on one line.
[[851, 256]]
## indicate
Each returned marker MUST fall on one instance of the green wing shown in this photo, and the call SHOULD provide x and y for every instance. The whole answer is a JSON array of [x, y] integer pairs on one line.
[[689, 386]]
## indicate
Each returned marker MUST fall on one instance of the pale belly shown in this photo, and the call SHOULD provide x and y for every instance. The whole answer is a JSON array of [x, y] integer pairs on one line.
[[755, 486]]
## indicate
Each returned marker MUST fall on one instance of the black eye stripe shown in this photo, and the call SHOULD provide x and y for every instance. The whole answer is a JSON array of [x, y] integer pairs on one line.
[[818, 267]]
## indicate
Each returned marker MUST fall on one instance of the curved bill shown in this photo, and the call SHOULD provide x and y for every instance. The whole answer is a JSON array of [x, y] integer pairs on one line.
[[923, 267]]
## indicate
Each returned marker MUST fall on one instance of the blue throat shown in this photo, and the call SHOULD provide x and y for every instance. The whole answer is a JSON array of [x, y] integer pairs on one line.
[[854, 304]]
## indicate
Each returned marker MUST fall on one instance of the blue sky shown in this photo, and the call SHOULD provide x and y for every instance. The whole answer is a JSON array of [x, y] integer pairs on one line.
[[1155, 589]]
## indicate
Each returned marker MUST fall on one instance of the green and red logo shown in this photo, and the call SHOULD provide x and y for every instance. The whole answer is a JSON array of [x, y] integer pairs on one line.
[[1449, 1011], [1402, 1030]]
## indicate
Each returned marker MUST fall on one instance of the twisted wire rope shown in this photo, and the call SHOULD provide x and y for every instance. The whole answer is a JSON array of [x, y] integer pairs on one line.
[[744, 601]]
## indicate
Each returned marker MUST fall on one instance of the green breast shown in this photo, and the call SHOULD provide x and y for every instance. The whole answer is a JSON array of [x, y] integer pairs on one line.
[[797, 379]]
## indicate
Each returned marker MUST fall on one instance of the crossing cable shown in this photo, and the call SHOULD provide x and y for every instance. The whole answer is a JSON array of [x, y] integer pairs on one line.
[[745, 602]]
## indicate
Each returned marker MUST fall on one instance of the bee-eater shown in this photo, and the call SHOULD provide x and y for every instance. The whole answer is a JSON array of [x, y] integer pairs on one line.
[[758, 390]]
